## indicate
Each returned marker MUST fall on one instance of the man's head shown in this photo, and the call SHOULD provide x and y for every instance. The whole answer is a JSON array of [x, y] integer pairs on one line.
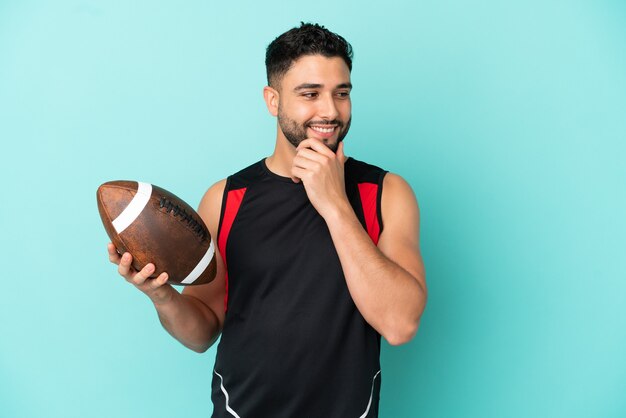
[[308, 70], [308, 39]]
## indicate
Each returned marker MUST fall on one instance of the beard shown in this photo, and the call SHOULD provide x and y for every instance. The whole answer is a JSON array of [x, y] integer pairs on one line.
[[296, 132]]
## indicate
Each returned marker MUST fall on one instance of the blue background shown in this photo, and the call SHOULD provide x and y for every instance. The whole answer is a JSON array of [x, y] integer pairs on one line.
[[507, 118]]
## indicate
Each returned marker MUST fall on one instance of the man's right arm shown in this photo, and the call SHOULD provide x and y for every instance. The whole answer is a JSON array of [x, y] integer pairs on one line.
[[196, 316]]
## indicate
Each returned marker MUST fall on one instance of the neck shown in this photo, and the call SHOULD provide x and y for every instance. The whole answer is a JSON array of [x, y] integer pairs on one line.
[[282, 158]]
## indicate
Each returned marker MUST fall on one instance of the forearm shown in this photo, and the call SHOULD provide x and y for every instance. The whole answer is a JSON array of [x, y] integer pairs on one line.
[[390, 298], [189, 321]]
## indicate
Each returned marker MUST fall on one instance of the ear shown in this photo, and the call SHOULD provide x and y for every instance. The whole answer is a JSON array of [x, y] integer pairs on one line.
[[272, 98]]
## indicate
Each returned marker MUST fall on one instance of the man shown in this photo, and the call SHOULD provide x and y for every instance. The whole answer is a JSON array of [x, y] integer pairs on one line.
[[318, 255]]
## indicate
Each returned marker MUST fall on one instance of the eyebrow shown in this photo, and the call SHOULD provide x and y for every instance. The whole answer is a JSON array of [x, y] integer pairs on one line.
[[306, 86]]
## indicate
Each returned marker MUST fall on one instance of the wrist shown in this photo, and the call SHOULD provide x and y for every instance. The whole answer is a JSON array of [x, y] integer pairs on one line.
[[163, 296], [339, 214]]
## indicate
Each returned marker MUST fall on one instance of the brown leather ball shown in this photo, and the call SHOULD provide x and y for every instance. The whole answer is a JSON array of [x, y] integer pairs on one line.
[[155, 226]]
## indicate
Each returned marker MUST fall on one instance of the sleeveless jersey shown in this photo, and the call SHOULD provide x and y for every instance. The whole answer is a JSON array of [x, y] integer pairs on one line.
[[293, 342]]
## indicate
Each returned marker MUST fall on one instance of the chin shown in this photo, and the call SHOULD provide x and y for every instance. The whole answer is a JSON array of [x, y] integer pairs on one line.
[[333, 146]]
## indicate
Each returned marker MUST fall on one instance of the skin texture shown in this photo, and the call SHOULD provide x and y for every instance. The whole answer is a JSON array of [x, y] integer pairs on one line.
[[386, 282]]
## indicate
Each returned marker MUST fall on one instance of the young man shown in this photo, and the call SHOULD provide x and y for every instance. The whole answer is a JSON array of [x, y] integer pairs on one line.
[[307, 277]]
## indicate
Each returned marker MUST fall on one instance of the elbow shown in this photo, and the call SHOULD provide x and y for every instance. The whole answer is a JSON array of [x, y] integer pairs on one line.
[[199, 350], [200, 346], [400, 327], [196, 348], [401, 334]]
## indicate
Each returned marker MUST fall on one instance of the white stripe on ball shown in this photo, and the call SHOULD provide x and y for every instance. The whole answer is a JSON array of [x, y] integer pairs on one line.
[[202, 265], [134, 208]]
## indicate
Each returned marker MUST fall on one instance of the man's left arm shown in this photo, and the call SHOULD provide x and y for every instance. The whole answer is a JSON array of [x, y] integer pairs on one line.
[[386, 282]]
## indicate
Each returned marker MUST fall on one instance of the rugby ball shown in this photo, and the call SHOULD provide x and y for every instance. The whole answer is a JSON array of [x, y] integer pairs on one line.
[[155, 226]]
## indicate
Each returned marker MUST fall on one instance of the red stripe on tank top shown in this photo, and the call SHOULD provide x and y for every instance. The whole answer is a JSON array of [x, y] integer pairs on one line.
[[369, 198], [233, 202]]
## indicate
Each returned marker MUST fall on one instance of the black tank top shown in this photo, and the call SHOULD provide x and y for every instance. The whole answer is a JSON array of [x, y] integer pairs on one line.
[[294, 344]]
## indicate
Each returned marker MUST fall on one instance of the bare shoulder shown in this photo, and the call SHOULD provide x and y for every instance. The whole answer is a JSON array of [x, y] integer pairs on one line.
[[398, 196], [211, 204], [395, 181], [400, 213], [213, 195]]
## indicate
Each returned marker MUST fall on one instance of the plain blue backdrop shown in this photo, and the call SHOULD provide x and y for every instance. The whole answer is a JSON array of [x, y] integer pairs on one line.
[[507, 118]]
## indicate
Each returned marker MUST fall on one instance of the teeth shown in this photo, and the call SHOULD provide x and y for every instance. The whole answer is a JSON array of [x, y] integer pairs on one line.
[[323, 130]]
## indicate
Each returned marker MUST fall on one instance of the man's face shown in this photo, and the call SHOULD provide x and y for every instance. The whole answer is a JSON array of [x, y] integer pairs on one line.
[[315, 101]]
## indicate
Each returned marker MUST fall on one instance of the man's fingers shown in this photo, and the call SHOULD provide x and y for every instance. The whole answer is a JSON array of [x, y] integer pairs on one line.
[[309, 159], [303, 162], [159, 281], [316, 145], [138, 278], [141, 276], [309, 154], [124, 267], [340, 153], [297, 174], [114, 256]]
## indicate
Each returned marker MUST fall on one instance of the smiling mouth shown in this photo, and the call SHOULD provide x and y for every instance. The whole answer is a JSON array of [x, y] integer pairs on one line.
[[323, 130]]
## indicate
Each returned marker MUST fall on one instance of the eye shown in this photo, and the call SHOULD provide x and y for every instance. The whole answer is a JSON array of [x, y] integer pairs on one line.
[[310, 94], [343, 94]]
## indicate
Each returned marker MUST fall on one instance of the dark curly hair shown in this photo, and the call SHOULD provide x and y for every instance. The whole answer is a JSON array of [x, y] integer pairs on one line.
[[308, 39]]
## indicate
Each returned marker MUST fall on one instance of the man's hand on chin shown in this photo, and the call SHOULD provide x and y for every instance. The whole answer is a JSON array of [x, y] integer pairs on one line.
[[322, 173]]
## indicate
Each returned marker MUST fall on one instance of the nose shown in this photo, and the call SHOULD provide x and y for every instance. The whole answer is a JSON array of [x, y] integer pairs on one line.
[[327, 108]]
